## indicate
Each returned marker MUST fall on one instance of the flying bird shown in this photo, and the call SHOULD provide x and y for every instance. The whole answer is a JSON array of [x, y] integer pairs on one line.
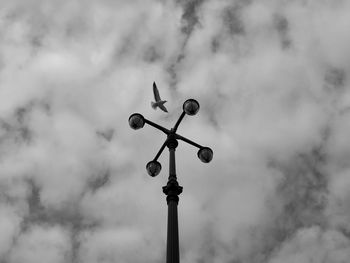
[[158, 101]]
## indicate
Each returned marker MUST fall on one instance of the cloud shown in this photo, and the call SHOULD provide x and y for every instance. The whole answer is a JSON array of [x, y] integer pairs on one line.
[[314, 244], [272, 79], [41, 244]]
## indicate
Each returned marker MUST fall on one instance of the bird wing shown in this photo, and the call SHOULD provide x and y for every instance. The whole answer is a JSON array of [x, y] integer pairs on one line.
[[156, 92], [162, 107]]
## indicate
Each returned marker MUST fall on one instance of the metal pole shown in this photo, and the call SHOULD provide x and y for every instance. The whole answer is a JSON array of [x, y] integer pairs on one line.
[[172, 190], [172, 168]]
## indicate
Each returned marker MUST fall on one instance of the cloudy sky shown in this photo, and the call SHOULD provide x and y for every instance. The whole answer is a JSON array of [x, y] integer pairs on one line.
[[272, 79]]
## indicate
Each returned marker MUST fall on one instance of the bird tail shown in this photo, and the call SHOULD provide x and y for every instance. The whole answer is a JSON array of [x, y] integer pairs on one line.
[[154, 105]]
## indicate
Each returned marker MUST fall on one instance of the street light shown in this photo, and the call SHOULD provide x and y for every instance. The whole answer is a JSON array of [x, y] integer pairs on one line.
[[136, 121], [191, 107], [172, 189], [205, 154], [153, 168]]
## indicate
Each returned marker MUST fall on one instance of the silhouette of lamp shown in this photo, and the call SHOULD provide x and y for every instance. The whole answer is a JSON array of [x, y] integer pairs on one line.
[[172, 190]]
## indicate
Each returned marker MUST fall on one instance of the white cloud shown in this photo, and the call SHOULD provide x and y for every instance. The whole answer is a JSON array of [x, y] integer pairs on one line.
[[272, 81], [314, 245], [42, 244], [108, 245]]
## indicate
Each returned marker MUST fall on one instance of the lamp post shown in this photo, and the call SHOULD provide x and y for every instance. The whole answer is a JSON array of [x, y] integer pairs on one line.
[[172, 189]]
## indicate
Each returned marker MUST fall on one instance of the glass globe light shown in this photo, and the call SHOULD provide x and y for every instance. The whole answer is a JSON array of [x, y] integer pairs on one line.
[[191, 107], [153, 168], [136, 121], [205, 154]]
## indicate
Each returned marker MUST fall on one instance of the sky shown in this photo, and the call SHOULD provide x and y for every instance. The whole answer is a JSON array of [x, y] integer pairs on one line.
[[272, 80]]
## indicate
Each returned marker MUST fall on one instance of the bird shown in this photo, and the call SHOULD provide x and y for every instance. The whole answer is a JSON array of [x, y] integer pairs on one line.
[[158, 101]]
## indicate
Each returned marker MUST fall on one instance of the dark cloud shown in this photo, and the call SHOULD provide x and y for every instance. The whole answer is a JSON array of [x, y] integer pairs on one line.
[[282, 25], [189, 20], [231, 18]]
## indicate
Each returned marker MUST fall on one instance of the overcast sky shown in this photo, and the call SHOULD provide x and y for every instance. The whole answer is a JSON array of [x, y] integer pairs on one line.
[[272, 79]]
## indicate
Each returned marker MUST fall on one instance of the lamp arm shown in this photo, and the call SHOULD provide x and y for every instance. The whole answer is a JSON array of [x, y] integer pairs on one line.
[[155, 125], [179, 121], [160, 150], [188, 141]]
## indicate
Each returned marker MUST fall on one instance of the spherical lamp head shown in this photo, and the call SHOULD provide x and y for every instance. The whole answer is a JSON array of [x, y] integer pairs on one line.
[[205, 154], [191, 107], [136, 121], [153, 168]]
